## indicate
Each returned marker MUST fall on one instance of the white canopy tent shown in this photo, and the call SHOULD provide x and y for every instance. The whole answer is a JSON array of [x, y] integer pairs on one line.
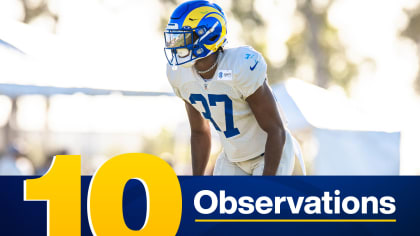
[[94, 60], [22, 74], [349, 141]]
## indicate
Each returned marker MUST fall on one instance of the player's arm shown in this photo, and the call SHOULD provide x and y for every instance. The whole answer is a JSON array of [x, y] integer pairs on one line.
[[264, 107], [200, 140]]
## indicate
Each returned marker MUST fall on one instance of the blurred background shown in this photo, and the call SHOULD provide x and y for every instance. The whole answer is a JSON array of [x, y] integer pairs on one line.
[[88, 77]]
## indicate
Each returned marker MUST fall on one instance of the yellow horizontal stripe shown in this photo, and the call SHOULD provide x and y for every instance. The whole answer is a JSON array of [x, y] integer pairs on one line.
[[295, 220]]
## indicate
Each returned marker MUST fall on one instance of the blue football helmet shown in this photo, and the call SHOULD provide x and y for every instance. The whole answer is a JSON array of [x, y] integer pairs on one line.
[[195, 30]]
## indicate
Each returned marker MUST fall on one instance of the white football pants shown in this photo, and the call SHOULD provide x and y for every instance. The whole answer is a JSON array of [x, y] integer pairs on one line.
[[255, 166]]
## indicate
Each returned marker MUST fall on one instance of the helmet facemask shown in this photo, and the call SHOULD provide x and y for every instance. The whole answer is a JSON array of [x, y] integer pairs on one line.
[[181, 47]]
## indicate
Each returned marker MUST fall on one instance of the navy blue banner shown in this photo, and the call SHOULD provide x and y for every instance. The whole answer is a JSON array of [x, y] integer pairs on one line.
[[314, 205]]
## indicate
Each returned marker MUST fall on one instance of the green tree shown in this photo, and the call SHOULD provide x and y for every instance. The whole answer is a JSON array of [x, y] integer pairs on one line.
[[413, 32], [322, 45], [35, 9]]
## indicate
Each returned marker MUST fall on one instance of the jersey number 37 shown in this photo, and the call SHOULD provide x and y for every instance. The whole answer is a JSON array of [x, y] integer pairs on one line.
[[213, 100]]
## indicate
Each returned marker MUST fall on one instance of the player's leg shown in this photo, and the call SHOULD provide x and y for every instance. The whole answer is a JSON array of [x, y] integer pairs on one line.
[[287, 161], [225, 167]]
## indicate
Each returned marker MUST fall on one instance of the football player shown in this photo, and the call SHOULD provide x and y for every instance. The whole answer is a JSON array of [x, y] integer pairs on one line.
[[228, 88]]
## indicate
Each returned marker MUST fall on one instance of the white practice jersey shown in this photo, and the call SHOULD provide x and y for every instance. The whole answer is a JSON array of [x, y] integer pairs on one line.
[[240, 72]]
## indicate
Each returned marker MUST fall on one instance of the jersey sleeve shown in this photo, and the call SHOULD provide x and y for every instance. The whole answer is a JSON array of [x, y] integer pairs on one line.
[[252, 71], [172, 78]]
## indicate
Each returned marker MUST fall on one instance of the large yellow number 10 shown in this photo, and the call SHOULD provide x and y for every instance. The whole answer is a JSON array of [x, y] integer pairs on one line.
[[60, 187]]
